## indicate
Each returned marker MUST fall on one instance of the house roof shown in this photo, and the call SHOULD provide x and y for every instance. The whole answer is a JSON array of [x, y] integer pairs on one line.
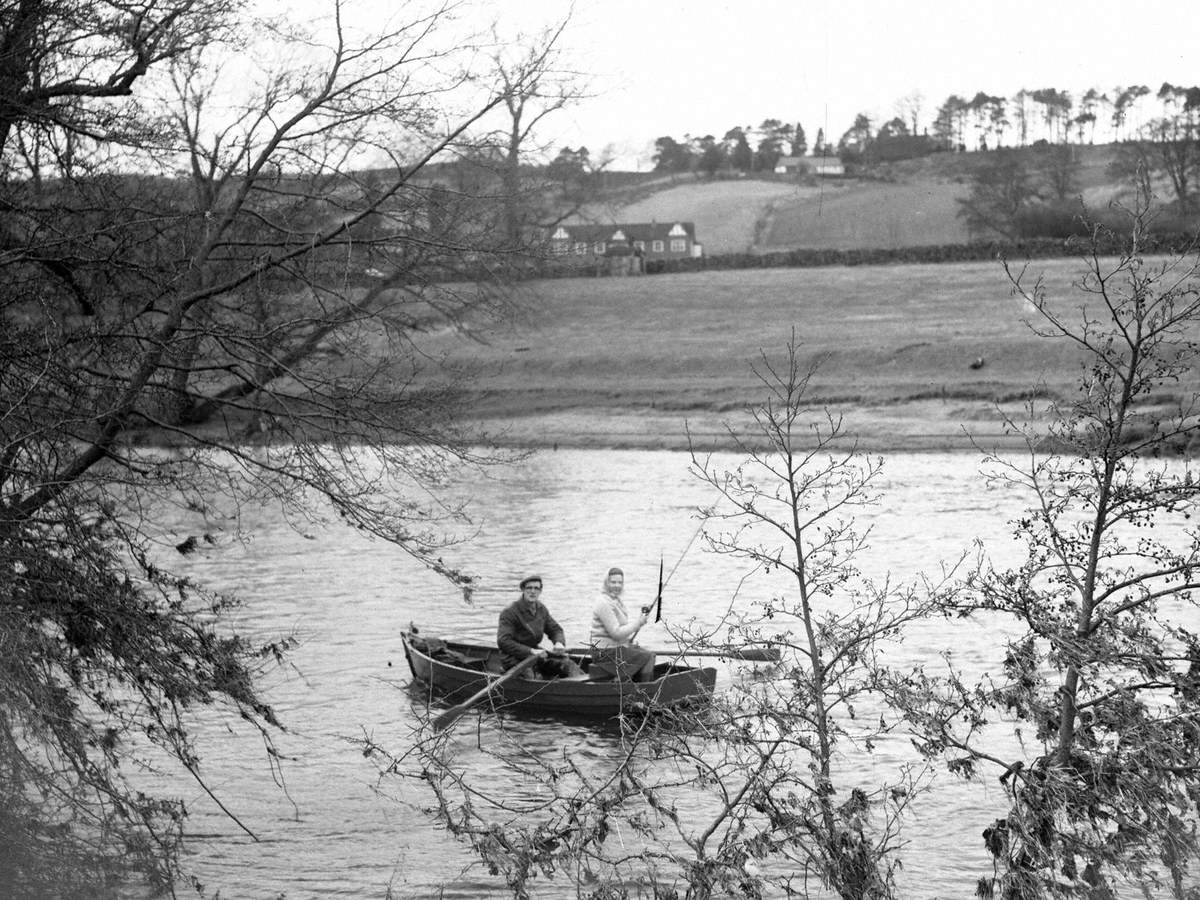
[[635, 231]]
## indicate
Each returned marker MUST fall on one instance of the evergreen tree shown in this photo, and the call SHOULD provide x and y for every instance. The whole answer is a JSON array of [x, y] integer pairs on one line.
[[799, 141], [671, 156], [712, 155], [741, 157]]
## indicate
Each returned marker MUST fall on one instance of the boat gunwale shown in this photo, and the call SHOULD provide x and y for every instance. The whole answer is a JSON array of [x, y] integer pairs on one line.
[[680, 684]]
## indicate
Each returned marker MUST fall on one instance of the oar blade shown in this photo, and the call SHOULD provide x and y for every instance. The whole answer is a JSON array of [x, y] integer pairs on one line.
[[743, 654], [449, 717], [756, 654], [454, 713]]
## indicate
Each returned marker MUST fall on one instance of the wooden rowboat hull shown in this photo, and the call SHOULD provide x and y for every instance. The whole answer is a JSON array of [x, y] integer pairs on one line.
[[455, 671]]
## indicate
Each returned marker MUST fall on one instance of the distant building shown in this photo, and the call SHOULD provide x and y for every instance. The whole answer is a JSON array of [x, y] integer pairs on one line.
[[815, 165], [645, 241]]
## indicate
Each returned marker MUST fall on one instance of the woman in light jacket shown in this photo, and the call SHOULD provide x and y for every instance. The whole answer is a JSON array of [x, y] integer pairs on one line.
[[613, 630]]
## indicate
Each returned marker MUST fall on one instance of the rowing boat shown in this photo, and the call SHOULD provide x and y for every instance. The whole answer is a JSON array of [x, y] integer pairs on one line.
[[454, 671]]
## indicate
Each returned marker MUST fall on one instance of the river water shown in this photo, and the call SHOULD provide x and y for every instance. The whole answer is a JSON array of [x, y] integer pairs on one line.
[[327, 826]]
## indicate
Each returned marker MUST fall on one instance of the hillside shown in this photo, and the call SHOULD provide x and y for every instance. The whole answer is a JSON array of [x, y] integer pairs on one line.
[[911, 203], [855, 214], [918, 356], [728, 213]]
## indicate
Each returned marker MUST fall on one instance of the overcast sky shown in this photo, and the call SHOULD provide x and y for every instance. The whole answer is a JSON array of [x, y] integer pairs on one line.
[[701, 67]]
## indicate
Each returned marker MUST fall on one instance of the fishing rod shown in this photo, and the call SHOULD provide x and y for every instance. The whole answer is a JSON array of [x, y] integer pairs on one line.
[[657, 597], [657, 604]]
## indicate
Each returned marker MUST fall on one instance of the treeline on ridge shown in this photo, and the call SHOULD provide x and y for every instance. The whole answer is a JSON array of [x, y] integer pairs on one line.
[[983, 122]]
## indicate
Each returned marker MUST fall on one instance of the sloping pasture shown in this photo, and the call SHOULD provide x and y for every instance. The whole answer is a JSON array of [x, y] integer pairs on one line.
[[913, 203], [727, 213], [850, 215]]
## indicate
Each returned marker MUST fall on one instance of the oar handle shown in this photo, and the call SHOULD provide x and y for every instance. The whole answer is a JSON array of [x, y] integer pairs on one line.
[[450, 716]]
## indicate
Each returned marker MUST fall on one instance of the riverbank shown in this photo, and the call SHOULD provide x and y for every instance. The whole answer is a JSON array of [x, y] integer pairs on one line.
[[911, 426]]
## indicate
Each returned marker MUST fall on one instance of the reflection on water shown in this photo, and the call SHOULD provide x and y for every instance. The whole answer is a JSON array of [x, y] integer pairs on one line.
[[332, 828]]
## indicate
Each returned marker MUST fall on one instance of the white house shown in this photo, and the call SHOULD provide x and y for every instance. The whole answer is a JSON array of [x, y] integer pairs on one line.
[[817, 165]]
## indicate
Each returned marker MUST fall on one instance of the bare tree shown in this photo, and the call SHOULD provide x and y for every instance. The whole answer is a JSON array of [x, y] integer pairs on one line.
[[1057, 168], [1001, 186], [744, 796], [259, 316], [909, 108], [537, 83], [789, 508], [1100, 682], [1172, 148]]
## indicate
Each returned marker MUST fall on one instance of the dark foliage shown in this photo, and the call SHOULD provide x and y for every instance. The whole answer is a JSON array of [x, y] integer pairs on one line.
[[102, 656]]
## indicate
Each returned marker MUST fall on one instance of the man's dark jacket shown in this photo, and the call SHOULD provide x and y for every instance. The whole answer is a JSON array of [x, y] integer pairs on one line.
[[522, 627]]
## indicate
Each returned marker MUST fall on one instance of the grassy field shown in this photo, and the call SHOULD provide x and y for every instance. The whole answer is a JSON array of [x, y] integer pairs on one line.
[[727, 214], [632, 361], [905, 204], [867, 215]]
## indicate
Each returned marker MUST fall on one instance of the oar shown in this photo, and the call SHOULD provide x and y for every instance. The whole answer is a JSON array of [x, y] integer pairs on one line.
[[747, 654], [450, 716]]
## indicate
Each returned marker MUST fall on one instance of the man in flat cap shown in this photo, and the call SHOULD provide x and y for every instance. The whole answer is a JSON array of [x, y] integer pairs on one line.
[[523, 624]]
